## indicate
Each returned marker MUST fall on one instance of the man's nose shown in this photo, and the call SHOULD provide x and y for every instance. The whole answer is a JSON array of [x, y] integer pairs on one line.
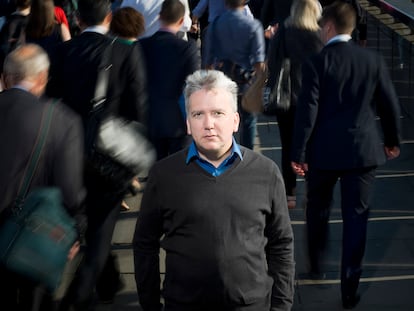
[[208, 122]]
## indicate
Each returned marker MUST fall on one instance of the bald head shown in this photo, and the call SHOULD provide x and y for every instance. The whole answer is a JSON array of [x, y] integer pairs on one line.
[[27, 65]]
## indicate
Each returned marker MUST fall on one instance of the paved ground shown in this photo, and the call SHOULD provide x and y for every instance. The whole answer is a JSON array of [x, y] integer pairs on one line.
[[388, 278]]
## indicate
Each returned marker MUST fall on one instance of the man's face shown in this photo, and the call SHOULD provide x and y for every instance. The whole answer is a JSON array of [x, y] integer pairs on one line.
[[211, 121]]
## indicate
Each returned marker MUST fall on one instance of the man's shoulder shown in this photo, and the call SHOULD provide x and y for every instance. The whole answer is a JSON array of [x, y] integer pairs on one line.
[[257, 159], [165, 42], [17, 95], [62, 113], [350, 52], [172, 164]]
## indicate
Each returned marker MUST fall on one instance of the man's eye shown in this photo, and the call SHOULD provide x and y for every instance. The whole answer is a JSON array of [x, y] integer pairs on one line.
[[218, 113], [196, 114]]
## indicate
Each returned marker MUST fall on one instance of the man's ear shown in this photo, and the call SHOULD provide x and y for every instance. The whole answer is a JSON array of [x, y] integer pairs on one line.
[[188, 127], [108, 19], [180, 21], [40, 83]]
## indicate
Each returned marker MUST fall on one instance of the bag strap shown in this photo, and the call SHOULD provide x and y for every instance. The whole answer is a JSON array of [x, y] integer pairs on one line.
[[35, 155], [102, 80]]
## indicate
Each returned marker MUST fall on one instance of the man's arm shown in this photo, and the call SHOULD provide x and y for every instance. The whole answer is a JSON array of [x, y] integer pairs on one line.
[[134, 98], [306, 111], [257, 52], [388, 109], [68, 159], [279, 248], [146, 244]]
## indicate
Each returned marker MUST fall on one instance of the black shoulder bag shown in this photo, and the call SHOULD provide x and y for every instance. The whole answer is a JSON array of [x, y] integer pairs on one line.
[[117, 149]]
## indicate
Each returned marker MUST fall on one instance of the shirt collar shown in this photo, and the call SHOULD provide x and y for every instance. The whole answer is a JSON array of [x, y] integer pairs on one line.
[[97, 28], [23, 85], [339, 38], [193, 152]]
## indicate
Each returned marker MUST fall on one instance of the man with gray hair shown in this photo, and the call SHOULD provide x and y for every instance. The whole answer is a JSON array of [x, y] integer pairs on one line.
[[61, 163], [223, 223]]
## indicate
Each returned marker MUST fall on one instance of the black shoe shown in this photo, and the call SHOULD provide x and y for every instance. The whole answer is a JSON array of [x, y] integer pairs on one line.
[[350, 302]]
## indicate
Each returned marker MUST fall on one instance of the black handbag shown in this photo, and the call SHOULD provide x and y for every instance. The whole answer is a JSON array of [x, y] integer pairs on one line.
[[37, 232], [117, 149], [278, 94]]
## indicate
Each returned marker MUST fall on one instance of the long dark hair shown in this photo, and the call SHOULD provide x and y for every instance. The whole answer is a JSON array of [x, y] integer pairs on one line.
[[42, 19]]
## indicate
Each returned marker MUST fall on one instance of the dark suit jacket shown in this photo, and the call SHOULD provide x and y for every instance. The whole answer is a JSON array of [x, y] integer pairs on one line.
[[274, 11], [169, 61], [344, 88], [61, 163], [74, 70]]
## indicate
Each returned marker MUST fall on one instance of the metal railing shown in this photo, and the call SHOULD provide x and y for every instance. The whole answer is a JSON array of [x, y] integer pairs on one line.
[[391, 33]]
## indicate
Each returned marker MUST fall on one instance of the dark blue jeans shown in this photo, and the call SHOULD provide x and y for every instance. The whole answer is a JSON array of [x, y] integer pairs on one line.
[[247, 128]]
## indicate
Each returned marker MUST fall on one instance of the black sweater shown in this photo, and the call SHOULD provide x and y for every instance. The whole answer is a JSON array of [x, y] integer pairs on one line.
[[227, 238]]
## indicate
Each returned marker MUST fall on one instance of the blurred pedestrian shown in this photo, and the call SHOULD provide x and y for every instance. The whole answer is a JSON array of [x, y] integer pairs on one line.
[[42, 27], [169, 60], [127, 25], [61, 164], [300, 39], [151, 9], [337, 137], [74, 78]]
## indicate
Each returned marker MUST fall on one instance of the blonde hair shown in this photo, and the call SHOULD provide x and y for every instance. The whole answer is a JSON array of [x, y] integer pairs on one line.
[[305, 14]]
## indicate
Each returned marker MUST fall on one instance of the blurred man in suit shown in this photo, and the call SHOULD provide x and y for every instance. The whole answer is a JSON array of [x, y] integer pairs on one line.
[[336, 137], [73, 78], [169, 61], [61, 163]]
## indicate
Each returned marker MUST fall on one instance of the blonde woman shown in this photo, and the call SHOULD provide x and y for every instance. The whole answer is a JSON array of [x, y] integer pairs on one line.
[[300, 36]]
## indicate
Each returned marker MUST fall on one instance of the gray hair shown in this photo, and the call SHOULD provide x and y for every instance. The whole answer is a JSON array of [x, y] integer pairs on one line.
[[25, 62], [208, 80]]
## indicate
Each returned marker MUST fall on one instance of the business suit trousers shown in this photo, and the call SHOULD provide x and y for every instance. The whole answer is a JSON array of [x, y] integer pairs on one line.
[[356, 188]]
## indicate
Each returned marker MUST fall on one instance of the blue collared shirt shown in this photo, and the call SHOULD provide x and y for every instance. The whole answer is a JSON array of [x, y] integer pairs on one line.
[[235, 37], [210, 168]]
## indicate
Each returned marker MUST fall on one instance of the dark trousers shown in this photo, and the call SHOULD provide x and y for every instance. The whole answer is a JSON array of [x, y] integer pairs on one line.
[[260, 305], [356, 188], [102, 209], [21, 294], [286, 122]]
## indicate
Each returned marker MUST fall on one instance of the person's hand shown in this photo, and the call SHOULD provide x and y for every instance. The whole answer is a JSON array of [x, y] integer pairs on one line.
[[392, 152], [299, 168], [194, 25], [74, 250], [270, 31]]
